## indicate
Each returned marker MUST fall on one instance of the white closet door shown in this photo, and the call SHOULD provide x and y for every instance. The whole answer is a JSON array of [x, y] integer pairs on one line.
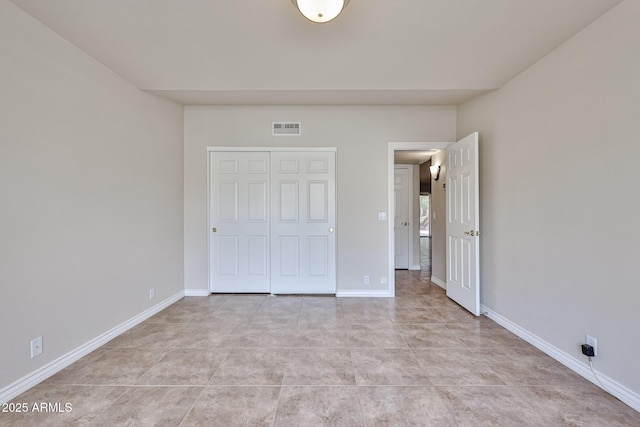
[[239, 222], [303, 222]]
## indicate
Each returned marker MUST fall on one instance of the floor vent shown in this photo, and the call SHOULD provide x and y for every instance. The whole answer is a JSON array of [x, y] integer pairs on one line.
[[285, 128]]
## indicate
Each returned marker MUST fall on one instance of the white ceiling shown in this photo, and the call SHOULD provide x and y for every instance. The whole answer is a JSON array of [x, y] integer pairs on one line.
[[265, 52]]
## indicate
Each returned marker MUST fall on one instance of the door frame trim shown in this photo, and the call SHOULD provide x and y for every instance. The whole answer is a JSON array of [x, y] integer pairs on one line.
[[269, 149], [392, 147]]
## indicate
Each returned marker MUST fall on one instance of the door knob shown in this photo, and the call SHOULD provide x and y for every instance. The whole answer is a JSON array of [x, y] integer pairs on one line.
[[214, 229], [330, 229], [405, 223]]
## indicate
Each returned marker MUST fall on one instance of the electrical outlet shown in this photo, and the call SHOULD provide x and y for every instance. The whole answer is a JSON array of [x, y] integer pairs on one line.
[[593, 343], [36, 347], [366, 280], [152, 293]]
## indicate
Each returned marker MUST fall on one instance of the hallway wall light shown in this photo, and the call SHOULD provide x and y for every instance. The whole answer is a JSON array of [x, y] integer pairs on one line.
[[320, 10], [435, 172]]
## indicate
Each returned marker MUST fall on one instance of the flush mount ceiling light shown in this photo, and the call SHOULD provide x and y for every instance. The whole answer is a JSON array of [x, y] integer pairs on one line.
[[320, 10]]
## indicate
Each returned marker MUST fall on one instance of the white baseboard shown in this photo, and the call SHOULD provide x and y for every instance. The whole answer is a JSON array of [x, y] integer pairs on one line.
[[415, 267], [363, 294], [439, 282], [36, 377], [197, 292], [609, 385]]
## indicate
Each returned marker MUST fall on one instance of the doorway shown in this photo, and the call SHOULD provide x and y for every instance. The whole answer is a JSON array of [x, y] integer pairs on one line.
[[425, 233], [461, 217], [393, 149]]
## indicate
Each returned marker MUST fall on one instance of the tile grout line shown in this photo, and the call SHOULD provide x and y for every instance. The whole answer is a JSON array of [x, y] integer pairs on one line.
[[186, 414], [281, 387]]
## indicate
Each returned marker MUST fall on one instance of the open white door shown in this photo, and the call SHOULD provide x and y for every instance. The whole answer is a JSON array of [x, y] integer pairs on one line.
[[463, 218]]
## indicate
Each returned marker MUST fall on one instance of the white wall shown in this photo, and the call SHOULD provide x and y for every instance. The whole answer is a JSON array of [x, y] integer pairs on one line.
[[559, 176], [361, 134], [90, 196]]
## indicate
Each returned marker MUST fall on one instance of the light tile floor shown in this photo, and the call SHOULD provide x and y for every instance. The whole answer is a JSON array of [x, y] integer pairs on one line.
[[256, 360]]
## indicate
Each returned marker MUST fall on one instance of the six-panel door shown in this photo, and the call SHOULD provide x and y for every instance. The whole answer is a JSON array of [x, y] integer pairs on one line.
[[303, 208], [239, 222], [401, 195], [462, 229]]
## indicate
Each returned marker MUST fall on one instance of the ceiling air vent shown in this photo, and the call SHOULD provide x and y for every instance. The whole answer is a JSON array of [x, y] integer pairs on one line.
[[285, 128]]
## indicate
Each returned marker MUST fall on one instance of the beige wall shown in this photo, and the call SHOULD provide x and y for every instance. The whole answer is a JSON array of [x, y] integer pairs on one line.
[[438, 225], [361, 135], [414, 263], [559, 240], [90, 196]]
